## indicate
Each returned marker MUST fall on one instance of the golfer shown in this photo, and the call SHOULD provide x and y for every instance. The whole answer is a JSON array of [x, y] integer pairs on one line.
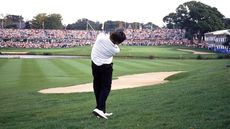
[[105, 47]]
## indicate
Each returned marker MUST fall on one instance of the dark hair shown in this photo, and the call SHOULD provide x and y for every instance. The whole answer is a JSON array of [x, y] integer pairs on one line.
[[118, 36]]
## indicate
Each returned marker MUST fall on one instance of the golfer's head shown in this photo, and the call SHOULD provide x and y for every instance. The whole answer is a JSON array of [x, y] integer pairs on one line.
[[118, 36]]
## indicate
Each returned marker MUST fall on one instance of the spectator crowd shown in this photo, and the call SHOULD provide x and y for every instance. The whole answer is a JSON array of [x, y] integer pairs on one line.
[[39, 38]]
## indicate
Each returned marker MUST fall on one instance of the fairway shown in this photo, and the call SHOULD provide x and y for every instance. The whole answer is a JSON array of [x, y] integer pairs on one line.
[[198, 98], [150, 52]]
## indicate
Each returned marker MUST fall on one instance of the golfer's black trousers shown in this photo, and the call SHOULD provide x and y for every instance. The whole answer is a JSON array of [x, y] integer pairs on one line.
[[102, 80]]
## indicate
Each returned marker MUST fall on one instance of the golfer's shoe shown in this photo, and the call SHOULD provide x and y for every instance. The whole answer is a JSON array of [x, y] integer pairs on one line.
[[108, 114], [99, 113], [96, 114]]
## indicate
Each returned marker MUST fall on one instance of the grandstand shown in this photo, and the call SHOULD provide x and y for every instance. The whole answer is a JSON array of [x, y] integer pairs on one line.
[[44, 38], [217, 39]]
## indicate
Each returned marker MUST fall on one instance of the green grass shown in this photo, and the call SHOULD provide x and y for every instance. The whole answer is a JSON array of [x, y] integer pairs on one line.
[[196, 99], [162, 52], [54, 51]]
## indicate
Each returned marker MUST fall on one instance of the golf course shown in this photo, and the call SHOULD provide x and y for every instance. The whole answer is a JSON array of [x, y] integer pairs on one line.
[[197, 98]]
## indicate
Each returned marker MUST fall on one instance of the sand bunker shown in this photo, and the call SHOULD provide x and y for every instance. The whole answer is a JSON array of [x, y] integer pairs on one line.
[[128, 81], [195, 52], [14, 53]]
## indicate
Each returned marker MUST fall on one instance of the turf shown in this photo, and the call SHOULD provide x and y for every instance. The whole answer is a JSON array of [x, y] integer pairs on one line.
[[152, 52], [196, 99]]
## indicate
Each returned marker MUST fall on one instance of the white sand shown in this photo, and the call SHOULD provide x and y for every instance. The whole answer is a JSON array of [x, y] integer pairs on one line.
[[123, 82], [13, 53], [195, 52]]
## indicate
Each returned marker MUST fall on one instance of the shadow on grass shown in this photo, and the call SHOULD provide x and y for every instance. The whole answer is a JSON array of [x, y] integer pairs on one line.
[[178, 76]]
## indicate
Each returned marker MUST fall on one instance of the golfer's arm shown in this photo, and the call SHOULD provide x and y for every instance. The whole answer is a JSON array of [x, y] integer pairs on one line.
[[115, 49]]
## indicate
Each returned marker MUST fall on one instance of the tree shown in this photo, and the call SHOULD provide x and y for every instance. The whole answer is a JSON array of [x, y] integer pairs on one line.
[[28, 25], [44, 21], [196, 18], [38, 22], [149, 25], [53, 21], [111, 25], [170, 21], [13, 21], [84, 24], [227, 23]]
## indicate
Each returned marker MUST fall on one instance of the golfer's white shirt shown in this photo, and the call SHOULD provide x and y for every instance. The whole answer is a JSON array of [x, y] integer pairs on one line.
[[103, 50]]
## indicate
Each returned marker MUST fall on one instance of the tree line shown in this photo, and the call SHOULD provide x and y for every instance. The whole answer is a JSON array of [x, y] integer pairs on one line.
[[197, 19], [54, 21]]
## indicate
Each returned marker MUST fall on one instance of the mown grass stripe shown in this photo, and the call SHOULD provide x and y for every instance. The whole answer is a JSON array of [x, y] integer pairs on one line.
[[9, 67], [10, 72], [81, 65], [87, 62], [170, 63], [121, 67], [120, 70], [9, 78], [55, 75], [50, 69], [150, 66], [31, 74], [3, 62], [76, 70], [129, 65], [145, 64], [67, 69]]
